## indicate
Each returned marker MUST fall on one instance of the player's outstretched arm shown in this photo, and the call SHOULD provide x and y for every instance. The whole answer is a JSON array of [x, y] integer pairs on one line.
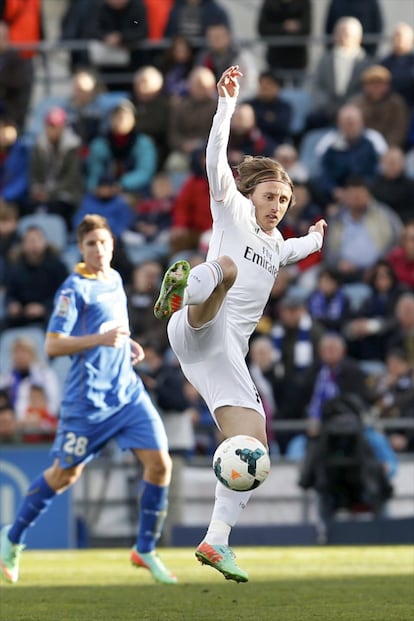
[[220, 176]]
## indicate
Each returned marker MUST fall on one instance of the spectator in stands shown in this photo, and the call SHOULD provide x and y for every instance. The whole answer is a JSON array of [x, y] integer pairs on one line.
[[8, 423], [273, 115], [119, 25], [9, 238], [339, 398], [302, 214], [37, 424], [158, 12], [141, 292], [28, 370], [285, 18], [400, 62], [191, 18], [207, 435], [14, 165], [56, 182], [360, 233], [191, 215], [402, 256], [73, 27], [338, 72], [108, 201], [286, 279], [165, 382], [15, 81], [368, 13], [392, 186], [402, 336], [367, 334], [395, 398], [328, 303], [262, 366], [382, 108], [295, 337], [176, 64], [85, 115], [123, 153], [24, 19], [190, 118], [336, 374], [148, 237], [152, 108], [288, 156], [35, 274], [246, 137], [351, 152], [222, 50]]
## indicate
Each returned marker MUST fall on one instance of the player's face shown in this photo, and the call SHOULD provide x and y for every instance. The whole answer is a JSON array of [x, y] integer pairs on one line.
[[97, 248], [271, 200]]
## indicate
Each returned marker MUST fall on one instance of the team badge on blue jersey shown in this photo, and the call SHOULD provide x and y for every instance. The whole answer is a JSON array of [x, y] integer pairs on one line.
[[62, 306]]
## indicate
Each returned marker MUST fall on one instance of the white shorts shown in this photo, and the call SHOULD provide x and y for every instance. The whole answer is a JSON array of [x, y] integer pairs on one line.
[[213, 362]]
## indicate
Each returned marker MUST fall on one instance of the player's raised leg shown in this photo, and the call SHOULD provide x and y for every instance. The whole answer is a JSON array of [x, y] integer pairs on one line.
[[174, 283]]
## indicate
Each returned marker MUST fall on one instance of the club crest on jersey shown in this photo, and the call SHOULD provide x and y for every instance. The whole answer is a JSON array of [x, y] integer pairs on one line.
[[62, 307]]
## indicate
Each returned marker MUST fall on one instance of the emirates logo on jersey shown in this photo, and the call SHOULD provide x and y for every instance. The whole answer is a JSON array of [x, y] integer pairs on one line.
[[261, 259]]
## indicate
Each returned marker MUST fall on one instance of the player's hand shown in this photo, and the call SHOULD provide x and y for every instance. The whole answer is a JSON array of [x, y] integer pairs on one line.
[[115, 337], [318, 227], [137, 353], [228, 84]]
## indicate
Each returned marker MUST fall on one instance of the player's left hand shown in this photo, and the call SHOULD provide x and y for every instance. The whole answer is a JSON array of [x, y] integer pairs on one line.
[[318, 227], [137, 353]]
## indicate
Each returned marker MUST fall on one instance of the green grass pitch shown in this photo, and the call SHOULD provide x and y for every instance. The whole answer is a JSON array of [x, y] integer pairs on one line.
[[286, 584]]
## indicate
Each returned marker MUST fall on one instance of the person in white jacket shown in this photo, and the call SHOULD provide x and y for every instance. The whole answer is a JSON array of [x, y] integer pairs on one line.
[[214, 307]]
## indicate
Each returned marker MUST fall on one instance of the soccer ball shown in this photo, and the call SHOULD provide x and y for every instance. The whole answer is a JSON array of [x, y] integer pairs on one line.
[[241, 463]]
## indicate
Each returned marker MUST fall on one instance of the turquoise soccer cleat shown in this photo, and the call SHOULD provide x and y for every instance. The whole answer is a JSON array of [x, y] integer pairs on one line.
[[221, 557], [152, 562], [173, 285], [9, 556]]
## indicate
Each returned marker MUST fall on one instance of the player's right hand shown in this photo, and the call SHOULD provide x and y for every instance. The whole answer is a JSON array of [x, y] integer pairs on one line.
[[115, 337]]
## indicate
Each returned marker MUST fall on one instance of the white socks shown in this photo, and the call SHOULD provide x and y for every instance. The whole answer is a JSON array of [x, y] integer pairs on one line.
[[227, 508], [202, 281]]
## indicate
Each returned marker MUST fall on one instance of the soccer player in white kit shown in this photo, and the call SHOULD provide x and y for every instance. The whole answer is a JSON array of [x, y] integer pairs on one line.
[[214, 307]]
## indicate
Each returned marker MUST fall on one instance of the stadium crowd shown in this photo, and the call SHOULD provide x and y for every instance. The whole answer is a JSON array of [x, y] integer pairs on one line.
[[128, 143]]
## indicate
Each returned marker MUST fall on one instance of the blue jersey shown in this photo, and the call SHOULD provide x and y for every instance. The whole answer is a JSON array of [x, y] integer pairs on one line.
[[101, 380]]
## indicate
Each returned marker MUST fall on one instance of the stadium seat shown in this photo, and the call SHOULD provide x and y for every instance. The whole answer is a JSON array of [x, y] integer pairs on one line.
[[300, 100], [7, 338], [53, 226]]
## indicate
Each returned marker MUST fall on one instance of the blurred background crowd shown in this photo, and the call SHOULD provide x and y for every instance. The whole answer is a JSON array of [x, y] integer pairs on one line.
[[122, 133]]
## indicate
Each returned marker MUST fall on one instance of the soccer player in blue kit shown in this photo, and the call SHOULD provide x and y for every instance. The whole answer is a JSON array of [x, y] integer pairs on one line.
[[103, 399], [213, 308]]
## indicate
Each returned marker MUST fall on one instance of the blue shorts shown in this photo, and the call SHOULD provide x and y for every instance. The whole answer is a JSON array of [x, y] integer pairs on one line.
[[137, 425]]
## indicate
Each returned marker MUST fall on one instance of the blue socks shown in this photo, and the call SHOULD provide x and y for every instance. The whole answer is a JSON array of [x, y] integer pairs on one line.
[[153, 509], [37, 501]]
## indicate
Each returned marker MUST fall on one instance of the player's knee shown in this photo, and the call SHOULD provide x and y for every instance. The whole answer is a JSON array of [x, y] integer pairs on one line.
[[229, 270], [159, 470]]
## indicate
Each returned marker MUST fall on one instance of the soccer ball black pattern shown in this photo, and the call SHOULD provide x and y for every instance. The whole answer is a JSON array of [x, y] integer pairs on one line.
[[241, 463]]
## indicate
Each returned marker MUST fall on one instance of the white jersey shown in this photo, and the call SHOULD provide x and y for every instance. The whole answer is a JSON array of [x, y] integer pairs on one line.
[[236, 234]]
